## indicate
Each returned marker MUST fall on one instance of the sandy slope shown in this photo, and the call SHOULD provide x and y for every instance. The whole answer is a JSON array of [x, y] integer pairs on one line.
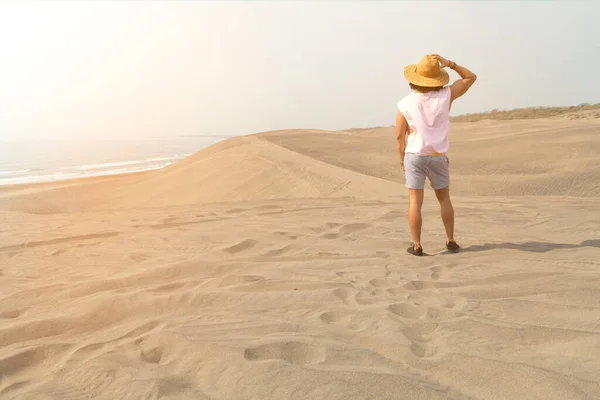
[[273, 266]]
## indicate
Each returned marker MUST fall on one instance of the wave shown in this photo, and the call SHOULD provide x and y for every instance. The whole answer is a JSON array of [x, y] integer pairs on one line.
[[60, 176], [123, 163], [15, 172]]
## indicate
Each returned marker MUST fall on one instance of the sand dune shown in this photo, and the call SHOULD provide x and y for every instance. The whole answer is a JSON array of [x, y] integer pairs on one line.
[[536, 157], [550, 157], [273, 266]]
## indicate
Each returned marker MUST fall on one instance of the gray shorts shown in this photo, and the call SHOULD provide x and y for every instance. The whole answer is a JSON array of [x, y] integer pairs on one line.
[[418, 167]]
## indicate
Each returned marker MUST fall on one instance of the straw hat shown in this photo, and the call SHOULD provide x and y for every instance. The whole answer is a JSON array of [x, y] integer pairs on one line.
[[426, 73]]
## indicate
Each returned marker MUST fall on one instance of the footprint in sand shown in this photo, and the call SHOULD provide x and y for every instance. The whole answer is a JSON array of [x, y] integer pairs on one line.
[[397, 292], [168, 287], [12, 314], [140, 257], [58, 252], [439, 270], [152, 355], [241, 246], [351, 228], [413, 334], [168, 220], [231, 280], [376, 295], [419, 285], [436, 272], [422, 350], [407, 310], [436, 313], [277, 252], [297, 353], [422, 344], [391, 216], [343, 231], [287, 234], [335, 317], [236, 210], [345, 294], [325, 227], [379, 283]]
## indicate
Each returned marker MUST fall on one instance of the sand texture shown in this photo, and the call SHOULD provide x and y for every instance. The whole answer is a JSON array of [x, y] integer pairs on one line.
[[274, 266]]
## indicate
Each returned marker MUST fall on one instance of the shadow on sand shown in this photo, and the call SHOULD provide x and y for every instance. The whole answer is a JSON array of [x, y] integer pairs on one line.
[[534, 247]]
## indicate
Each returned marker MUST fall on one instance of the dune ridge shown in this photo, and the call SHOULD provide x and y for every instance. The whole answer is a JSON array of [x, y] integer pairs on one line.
[[555, 158]]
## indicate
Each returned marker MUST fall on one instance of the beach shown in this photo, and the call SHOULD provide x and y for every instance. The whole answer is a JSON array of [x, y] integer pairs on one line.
[[274, 266], [27, 160]]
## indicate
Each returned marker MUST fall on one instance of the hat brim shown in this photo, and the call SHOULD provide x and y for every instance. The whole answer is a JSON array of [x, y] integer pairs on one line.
[[411, 75]]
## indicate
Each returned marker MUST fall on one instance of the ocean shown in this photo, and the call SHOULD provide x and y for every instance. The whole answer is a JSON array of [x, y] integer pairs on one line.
[[29, 161]]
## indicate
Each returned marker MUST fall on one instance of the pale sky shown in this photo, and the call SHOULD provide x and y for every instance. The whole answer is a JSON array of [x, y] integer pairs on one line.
[[113, 69]]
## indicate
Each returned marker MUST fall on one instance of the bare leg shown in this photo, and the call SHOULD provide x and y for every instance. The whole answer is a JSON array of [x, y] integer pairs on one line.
[[414, 215], [443, 196]]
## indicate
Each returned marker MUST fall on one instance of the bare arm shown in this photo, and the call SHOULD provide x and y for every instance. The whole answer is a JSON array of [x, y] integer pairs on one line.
[[461, 86], [401, 130]]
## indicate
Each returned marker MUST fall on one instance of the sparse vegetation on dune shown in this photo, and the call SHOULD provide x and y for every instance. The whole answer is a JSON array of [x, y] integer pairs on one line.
[[581, 111]]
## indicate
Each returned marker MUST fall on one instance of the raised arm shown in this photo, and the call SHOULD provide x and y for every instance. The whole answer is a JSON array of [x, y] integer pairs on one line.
[[461, 86]]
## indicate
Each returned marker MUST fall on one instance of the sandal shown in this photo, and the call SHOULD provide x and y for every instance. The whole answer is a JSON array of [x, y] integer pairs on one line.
[[418, 252], [452, 247]]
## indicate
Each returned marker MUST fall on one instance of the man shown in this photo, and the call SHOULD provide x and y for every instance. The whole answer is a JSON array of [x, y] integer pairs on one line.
[[422, 127]]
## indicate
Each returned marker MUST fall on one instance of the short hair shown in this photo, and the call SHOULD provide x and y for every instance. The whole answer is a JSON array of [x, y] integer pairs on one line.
[[424, 89]]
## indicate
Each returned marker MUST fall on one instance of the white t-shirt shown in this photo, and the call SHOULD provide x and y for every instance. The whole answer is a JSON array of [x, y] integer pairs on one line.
[[428, 117]]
